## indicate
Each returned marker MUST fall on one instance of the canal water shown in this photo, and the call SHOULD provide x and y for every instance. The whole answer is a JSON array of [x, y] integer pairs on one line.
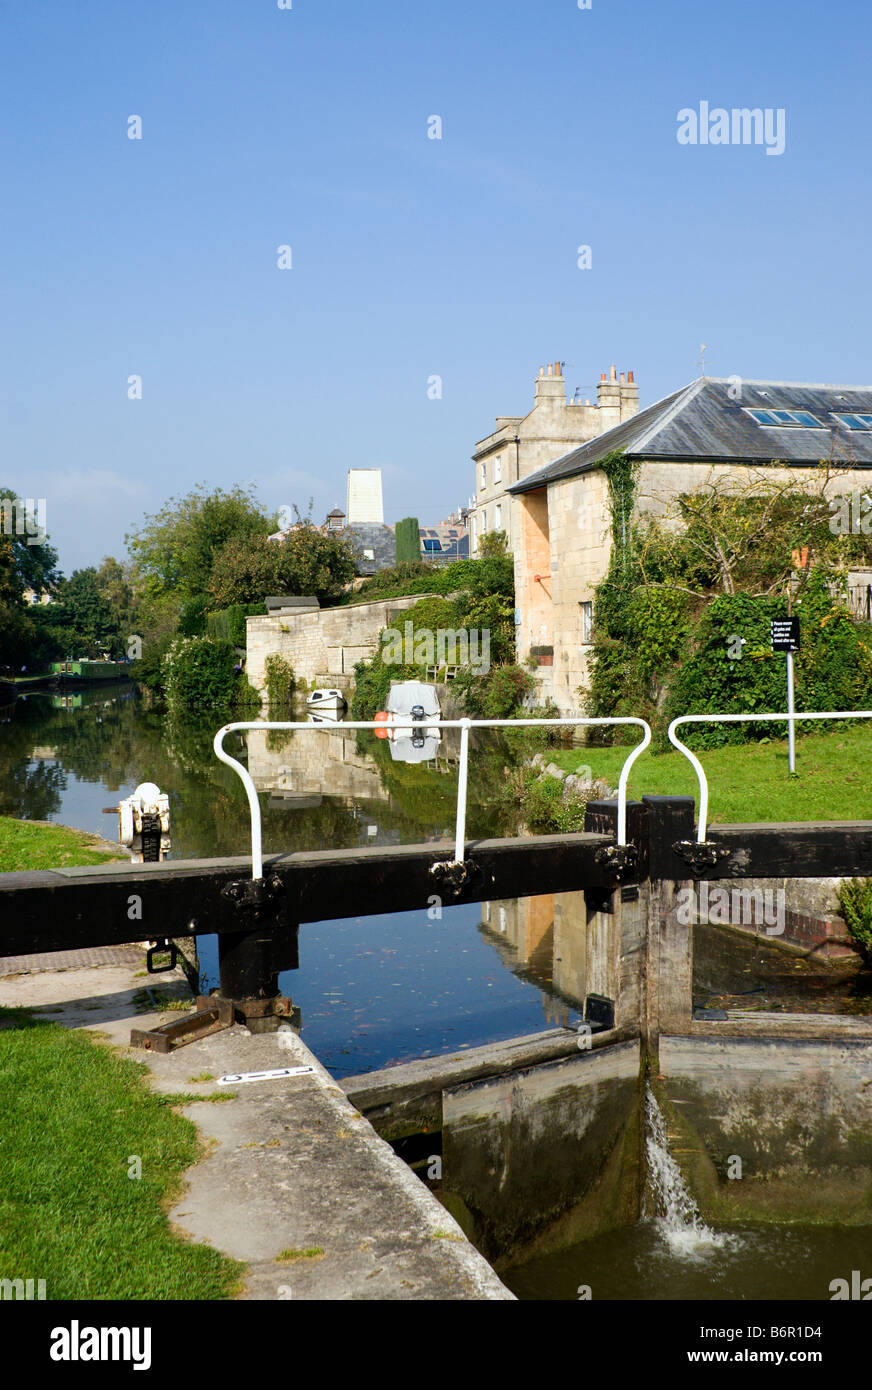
[[744, 1172], [373, 990]]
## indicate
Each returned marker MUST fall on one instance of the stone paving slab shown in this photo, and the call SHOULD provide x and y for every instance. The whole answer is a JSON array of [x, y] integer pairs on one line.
[[70, 960]]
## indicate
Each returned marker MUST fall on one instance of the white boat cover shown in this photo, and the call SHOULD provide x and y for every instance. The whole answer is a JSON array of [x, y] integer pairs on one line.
[[404, 694]]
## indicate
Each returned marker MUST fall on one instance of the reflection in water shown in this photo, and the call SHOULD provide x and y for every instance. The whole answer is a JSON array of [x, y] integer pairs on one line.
[[59, 762]]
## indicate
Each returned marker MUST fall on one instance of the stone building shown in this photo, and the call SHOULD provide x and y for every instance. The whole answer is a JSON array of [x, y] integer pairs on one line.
[[522, 444], [708, 431]]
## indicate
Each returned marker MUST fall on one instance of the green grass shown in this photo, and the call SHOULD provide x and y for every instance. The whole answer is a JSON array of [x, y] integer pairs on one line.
[[74, 1115], [37, 845], [751, 782]]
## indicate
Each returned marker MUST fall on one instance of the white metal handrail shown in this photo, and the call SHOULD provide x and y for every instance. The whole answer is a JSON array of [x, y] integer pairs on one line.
[[402, 721], [739, 719]]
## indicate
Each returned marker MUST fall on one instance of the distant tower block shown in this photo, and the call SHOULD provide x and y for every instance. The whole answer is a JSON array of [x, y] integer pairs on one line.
[[365, 496]]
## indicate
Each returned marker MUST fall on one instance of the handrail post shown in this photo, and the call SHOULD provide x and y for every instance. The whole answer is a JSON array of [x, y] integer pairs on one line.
[[460, 828]]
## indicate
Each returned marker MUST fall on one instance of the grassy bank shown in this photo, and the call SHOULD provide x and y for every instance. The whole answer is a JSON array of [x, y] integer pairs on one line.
[[751, 782], [75, 1118], [39, 845]]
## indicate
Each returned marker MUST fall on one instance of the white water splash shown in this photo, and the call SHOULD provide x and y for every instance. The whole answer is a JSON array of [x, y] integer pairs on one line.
[[674, 1210]]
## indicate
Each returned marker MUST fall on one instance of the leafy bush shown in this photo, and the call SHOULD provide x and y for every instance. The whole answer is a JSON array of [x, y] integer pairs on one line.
[[855, 902], [228, 624], [479, 577], [280, 682], [833, 668], [547, 808], [198, 674], [493, 543], [148, 671], [501, 694]]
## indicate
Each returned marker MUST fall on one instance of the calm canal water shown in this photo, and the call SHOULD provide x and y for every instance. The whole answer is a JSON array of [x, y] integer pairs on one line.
[[373, 989]]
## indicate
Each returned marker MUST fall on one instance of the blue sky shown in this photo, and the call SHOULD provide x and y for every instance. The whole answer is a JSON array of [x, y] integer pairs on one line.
[[411, 257]]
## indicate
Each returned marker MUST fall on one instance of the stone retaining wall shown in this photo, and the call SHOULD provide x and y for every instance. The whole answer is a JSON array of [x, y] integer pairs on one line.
[[322, 645]]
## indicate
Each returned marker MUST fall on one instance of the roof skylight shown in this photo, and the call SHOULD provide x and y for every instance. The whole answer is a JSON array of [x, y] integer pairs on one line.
[[854, 421], [786, 419]]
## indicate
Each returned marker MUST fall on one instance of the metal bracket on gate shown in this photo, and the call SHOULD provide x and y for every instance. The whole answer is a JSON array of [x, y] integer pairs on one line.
[[618, 860], [700, 857], [160, 948], [256, 897], [452, 876]]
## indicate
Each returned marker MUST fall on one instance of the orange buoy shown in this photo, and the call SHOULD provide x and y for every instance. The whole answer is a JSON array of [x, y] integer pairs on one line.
[[382, 717]]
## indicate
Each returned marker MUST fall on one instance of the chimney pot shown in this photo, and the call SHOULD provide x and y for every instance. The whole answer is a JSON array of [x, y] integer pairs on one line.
[[602, 376], [557, 369], [541, 371], [550, 370], [630, 378], [621, 379], [612, 373]]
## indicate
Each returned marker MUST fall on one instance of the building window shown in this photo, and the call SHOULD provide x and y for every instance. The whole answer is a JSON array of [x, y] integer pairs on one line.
[[483, 475], [369, 554], [498, 470], [483, 522], [586, 623], [498, 516]]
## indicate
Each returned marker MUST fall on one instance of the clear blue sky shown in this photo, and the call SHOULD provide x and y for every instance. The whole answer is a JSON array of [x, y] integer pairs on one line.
[[411, 256]]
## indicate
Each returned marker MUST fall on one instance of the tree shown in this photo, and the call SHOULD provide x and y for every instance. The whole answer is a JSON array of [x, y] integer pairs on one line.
[[731, 537], [307, 562], [22, 566], [26, 566], [84, 613], [113, 580], [174, 550], [408, 539], [493, 543]]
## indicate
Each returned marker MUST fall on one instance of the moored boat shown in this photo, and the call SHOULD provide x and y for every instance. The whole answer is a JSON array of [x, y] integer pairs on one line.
[[330, 701]]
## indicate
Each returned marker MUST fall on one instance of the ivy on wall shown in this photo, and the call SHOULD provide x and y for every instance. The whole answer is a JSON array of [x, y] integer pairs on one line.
[[667, 639]]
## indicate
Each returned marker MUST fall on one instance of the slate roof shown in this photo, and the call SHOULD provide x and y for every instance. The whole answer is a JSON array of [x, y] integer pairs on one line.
[[374, 536], [703, 422]]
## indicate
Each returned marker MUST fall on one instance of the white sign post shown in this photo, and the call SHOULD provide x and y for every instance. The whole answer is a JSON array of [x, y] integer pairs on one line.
[[785, 638], [791, 732]]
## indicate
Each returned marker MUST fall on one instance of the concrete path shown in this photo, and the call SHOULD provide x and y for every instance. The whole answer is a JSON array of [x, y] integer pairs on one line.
[[297, 1183]]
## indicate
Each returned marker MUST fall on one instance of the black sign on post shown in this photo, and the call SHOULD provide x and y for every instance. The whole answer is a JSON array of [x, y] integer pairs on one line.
[[785, 634]]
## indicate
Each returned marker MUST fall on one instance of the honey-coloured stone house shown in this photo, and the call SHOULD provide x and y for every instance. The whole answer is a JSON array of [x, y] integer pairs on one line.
[[711, 430]]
